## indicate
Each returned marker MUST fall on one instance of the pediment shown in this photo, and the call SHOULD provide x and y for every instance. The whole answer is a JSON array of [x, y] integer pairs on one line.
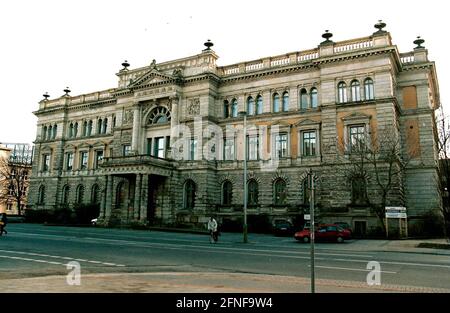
[[152, 77], [356, 116], [307, 122], [281, 123]]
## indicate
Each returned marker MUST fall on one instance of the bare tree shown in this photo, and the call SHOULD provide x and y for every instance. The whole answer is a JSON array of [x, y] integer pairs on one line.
[[14, 179], [379, 160], [443, 135]]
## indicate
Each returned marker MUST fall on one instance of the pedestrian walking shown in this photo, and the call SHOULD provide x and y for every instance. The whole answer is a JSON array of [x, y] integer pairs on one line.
[[3, 222], [212, 227]]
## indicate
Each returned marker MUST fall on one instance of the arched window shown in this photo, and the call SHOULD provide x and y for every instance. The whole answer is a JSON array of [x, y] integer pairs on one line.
[[85, 127], [105, 125], [342, 92], [279, 188], [44, 133], [250, 106], [227, 192], [55, 130], [120, 194], [306, 191], [314, 97], [71, 130], [276, 103], [75, 129], [66, 194], [252, 192], [303, 99], [226, 109], [368, 89], [159, 115], [95, 194], [234, 108], [41, 195], [50, 132], [359, 191], [259, 104], [285, 101], [89, 130], [356, 92], [80, 194], [99, 126], [189, 194]]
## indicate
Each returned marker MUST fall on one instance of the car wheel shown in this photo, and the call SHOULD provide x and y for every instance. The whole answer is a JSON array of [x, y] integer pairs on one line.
[[305, 239], [340, 239]]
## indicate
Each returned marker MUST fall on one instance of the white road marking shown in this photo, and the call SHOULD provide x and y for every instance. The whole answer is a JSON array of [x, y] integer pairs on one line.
[[60, 257], [29, 260], [349, 269]]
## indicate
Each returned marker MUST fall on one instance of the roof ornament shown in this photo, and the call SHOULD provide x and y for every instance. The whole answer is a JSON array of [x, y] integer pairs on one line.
[[46, 96], [125, 65], [327, 35], [419, 41], [208, 44], [380, 25], [153, 64], [67, 91]]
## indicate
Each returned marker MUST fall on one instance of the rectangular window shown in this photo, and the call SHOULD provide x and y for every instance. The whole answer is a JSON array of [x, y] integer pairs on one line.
[[45, 162], [281, 145], [69, 164], [98, 158], [149, 146], [357, 138], [83, 160], [159, 147], [192, 149], [126, 150], [9, 207], [228, 153], [252, 148], [309, 143]]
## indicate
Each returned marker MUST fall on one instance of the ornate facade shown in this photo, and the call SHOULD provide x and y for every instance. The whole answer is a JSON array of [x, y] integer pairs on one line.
[[167, 144]]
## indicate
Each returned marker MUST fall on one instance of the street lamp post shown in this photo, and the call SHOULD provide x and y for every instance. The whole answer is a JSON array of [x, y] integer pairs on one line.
[[244, 228]]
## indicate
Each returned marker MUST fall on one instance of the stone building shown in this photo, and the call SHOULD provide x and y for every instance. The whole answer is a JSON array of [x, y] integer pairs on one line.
[[166, 145], [15, 172]]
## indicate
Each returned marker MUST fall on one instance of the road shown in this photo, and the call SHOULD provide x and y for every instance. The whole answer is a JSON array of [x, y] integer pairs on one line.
[[37, 251]]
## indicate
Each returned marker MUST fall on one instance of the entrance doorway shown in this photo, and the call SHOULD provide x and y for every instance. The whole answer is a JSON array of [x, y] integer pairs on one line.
[[156, 196]]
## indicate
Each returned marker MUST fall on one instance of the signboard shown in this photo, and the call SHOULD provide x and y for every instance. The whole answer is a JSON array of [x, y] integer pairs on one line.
[[307, 217], [395, 212]]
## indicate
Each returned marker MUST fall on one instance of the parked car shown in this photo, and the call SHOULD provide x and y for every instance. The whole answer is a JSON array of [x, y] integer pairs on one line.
[[325, 232], [283, 228], [344, 225]]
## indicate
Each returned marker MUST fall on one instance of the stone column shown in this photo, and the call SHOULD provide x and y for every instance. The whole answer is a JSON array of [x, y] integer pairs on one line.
[[137, 197], [103, 200], [136, 128], [109, 196], [144, 198]]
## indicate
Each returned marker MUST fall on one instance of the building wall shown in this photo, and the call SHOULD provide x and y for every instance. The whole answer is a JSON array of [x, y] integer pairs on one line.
[[195, 100]]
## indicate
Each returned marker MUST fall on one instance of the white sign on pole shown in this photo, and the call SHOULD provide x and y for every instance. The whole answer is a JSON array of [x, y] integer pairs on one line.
[[307, 217], [395, 212]]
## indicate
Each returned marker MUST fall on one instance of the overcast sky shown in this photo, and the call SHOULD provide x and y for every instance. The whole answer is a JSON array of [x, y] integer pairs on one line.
[[47, 45]]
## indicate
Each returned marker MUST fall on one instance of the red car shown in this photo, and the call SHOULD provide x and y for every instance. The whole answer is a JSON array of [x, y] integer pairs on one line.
[[325, 232]]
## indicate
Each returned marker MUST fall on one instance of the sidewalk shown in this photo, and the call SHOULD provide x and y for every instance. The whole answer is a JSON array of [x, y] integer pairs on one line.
[[406, 245], [212, 282]]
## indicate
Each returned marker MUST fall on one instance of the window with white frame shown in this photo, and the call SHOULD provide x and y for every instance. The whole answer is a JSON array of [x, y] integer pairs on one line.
[[355, 90], [159, 147], [259, 104], [303, 99], [368, 89], [285, 101], [357, 137], [281, 145], [276, 103], [192, 149], [45, 162], [83, 160], [309, 143], [126, 150], [252, 147], [234, 108], [228, 152], [314, 97], [69, 162], [98, 158], [250, 106], [342, 92]]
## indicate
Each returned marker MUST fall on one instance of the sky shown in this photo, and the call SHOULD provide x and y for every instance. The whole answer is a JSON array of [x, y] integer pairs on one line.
[[48, 45]]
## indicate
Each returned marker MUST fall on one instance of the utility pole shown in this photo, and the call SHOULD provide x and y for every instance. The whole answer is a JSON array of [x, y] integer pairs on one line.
[[312, 229]]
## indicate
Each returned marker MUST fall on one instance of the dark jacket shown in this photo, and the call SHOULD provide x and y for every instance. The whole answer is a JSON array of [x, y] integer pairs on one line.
[[4, 218]]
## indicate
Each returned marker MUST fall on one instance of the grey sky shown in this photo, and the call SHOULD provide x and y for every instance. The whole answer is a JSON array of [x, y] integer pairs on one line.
[[47, 45]]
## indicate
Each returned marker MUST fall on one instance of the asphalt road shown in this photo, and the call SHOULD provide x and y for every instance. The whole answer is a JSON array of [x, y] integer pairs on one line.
[[35, 250]]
